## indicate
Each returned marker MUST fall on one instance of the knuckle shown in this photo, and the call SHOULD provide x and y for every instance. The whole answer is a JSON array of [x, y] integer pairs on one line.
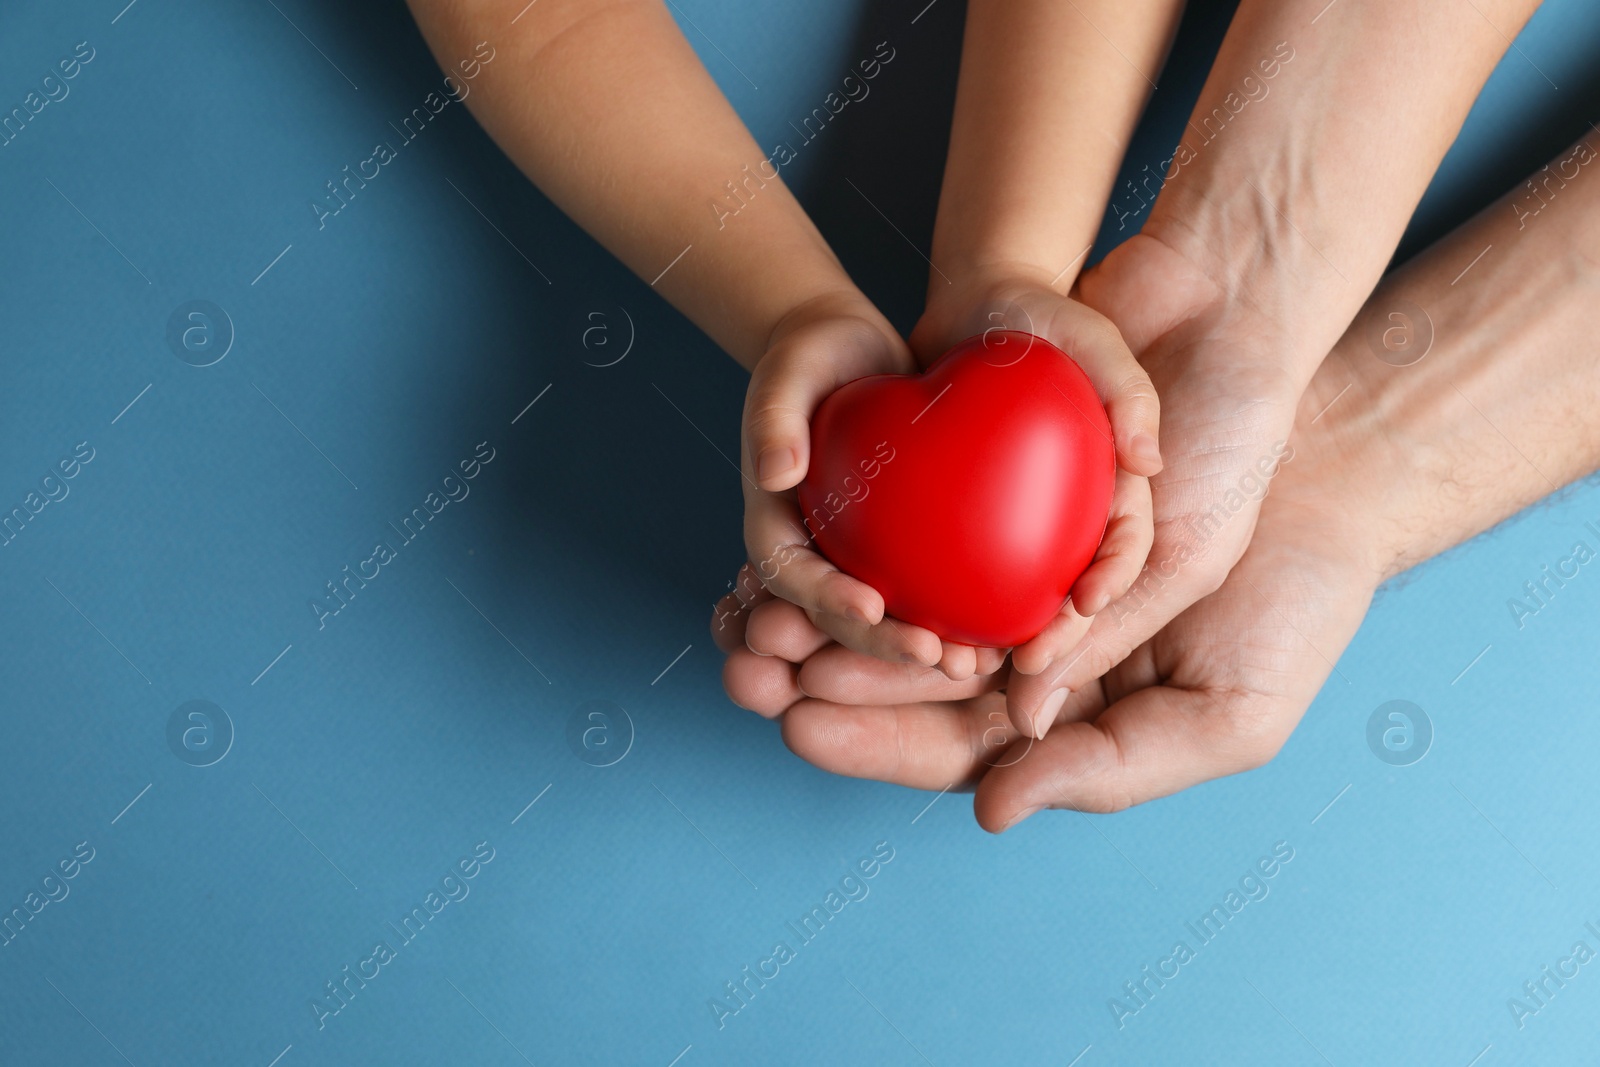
[[1136, 387], [1105, 337], [772, 415]]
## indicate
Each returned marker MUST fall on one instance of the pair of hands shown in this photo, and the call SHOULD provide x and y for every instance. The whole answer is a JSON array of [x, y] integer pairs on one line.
[[1146, 697], [1245, 274], [830, 342]]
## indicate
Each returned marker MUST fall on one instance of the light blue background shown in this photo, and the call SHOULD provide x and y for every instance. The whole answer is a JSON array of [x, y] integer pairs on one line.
[[377, 751]]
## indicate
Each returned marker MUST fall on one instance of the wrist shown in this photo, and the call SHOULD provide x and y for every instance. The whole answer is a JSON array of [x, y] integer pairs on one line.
[[959, 275], [1345, 468], [1266, 278], [1435, 446], [839, 300], [964, 276], [987, 295]]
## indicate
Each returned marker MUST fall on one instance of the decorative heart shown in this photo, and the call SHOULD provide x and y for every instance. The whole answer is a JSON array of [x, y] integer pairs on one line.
[[970, 496]]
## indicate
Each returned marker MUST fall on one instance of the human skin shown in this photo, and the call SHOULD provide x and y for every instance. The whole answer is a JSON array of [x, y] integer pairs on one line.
[[1047, 100], [1391, 465], [604, 105], [1009, 195], [1314, 137], [1011, 200], [1269, 234]]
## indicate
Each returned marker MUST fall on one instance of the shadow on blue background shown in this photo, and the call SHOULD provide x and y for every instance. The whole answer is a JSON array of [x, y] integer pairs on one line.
[[430, 721]]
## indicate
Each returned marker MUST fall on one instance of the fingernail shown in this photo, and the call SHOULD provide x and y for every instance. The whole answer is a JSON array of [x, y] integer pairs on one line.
[[777, 461], [1144, 447], [1049, 658], [1048, 711], [906, 657], [854, 612], [1025, 813]]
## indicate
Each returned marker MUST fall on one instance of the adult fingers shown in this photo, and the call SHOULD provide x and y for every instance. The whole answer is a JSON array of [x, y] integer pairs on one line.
[[842, 676], [1063, 634], [1161, 592], [1151, 743], [922, 745]]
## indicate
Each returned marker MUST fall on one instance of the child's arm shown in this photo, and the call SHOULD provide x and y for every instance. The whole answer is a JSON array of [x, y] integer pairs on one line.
[[1049, 96], [1048, 99], [1044, 110], [607, 109]]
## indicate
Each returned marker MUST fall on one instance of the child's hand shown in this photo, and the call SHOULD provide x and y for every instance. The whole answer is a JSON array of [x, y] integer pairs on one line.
[[778, 658], [815, 349], [1130, 400]]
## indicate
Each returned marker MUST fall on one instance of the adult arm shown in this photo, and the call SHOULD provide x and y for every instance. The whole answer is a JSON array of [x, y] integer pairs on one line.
[[1390, 466], [1314, 137]]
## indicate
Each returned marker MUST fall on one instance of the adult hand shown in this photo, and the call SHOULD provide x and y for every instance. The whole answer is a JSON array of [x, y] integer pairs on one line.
[[1215, 692], [1228, 407], [1420, 456], [1271, 226]]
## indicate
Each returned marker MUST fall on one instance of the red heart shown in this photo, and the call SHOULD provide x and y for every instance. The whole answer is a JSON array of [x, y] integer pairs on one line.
[[970, 496]]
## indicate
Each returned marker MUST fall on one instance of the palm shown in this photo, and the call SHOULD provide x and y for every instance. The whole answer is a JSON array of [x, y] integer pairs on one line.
[[1215, 692], [1227, 413]]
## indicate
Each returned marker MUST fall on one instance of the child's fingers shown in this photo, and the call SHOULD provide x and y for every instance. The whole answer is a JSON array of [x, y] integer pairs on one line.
[[784, 390], [728, 621], [748, 588], [731, 613], [1063, 634], [1124, 548], [1124, 387], [785, 563], [891, 640], [849, 611], [766, 685], [958, 662], [1090, 338], [1135, 421], [779, 628], [793, 378], [990, 660]]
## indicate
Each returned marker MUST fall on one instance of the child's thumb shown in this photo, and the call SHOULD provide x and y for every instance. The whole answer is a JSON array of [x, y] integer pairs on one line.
[[777, 422]]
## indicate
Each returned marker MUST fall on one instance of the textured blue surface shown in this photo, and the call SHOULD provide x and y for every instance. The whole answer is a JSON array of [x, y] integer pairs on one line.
[[370, 755]]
